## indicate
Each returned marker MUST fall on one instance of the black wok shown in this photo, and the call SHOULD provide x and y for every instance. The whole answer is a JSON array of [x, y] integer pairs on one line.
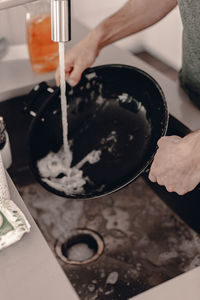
[[118, 109]]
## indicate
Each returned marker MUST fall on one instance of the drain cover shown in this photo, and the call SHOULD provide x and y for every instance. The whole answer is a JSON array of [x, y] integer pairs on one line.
[[83, 246]]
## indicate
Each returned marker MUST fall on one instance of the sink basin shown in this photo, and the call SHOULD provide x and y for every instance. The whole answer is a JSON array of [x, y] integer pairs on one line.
[[147, 235]]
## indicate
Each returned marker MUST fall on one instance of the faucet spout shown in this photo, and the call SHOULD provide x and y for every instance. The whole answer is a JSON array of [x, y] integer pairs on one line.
[[60, 20]]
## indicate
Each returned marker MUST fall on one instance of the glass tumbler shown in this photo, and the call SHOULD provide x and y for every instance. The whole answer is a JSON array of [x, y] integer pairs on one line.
[[43, 51]]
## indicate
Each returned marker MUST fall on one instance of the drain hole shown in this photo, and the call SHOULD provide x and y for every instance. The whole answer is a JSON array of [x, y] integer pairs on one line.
[[83, 246], [80, 247]]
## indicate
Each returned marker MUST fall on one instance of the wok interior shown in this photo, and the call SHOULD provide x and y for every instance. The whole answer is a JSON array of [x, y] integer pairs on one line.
[[117, 109]]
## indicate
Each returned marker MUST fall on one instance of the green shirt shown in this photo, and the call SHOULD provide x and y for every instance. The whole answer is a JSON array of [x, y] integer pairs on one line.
[[190, 73]]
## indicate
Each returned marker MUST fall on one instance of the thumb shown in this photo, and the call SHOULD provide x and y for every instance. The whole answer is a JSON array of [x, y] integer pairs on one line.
[[75, 76], [57, 76], [168, 139], [68, 69]]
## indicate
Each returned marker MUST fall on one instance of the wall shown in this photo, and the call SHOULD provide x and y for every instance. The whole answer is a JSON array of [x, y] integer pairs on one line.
[[91, 12], [164, 40]]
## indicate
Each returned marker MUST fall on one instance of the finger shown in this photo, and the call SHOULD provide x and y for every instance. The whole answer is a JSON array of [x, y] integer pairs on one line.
[[174, 138], [160, 181], [178, 188], [152, 178], [68, 70], [186, 186], [189, 185], [154, 167], [76, 74], [170, 188], [181, 191], [57, 77], [171, 138], [162, 140]]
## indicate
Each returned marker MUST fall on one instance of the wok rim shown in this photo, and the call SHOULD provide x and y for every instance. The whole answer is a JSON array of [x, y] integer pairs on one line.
[[141, 170]]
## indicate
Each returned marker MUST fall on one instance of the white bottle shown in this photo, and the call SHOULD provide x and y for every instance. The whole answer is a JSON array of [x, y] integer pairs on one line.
[[5, 145]]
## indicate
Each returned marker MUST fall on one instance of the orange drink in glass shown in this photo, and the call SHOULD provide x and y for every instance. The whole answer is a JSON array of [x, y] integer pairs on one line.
[[42, 50]]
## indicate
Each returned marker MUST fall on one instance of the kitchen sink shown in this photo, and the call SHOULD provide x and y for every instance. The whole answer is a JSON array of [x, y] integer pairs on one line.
[[117, 246]]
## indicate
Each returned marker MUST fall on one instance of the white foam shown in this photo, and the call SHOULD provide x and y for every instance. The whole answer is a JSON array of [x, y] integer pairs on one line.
[[72, 180], [80, 252]]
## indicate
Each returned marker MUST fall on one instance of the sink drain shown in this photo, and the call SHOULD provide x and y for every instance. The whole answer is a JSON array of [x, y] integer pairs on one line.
[[83, 246]]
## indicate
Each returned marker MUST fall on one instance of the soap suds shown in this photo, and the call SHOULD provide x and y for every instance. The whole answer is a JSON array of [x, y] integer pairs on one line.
[[52, 167], [80, 252], [112, 278]]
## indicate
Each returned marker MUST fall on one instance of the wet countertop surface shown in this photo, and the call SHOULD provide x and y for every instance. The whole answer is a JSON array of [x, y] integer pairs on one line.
[[165, 257], [28, 269]]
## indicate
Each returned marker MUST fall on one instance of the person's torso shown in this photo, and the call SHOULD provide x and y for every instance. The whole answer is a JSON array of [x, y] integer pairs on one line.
[[190, 73]]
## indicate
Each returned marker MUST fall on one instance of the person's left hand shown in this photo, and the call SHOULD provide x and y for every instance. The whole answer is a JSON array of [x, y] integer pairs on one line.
[[176, 164]]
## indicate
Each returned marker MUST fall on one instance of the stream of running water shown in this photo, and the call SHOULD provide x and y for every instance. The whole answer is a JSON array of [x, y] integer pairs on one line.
[[67, 152]]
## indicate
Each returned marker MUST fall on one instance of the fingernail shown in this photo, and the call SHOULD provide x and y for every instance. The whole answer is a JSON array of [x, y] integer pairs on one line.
[[71, 82]]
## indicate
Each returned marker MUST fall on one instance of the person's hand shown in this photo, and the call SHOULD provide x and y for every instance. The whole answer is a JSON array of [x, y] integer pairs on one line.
[[176, 164], [79, 58]]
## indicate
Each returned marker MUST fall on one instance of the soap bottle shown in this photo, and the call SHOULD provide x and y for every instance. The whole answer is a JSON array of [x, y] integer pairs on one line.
[[5, 149], [43, 51]]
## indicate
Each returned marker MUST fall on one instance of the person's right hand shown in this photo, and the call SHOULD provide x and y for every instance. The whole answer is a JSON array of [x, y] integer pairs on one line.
[[77, 59]]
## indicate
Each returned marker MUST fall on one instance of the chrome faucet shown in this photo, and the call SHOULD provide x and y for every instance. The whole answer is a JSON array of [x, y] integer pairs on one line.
[[60, 17], [60, 20]]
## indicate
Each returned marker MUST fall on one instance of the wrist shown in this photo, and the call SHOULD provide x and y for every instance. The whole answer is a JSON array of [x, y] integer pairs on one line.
[[192, 140], [98, 36]]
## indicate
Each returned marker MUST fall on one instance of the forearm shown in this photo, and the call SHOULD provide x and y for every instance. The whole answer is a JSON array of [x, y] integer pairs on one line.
[[133, 17]]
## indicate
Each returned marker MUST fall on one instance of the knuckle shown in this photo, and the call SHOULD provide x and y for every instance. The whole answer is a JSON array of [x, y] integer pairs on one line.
[[155, 170], [181, 192], [152, 171], [152, 177], [154, 163], [81, 64], [160, 181], [162, 140], [170, 188]]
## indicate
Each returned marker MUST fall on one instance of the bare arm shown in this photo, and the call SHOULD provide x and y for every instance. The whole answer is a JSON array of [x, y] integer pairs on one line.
[[134, 16]]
